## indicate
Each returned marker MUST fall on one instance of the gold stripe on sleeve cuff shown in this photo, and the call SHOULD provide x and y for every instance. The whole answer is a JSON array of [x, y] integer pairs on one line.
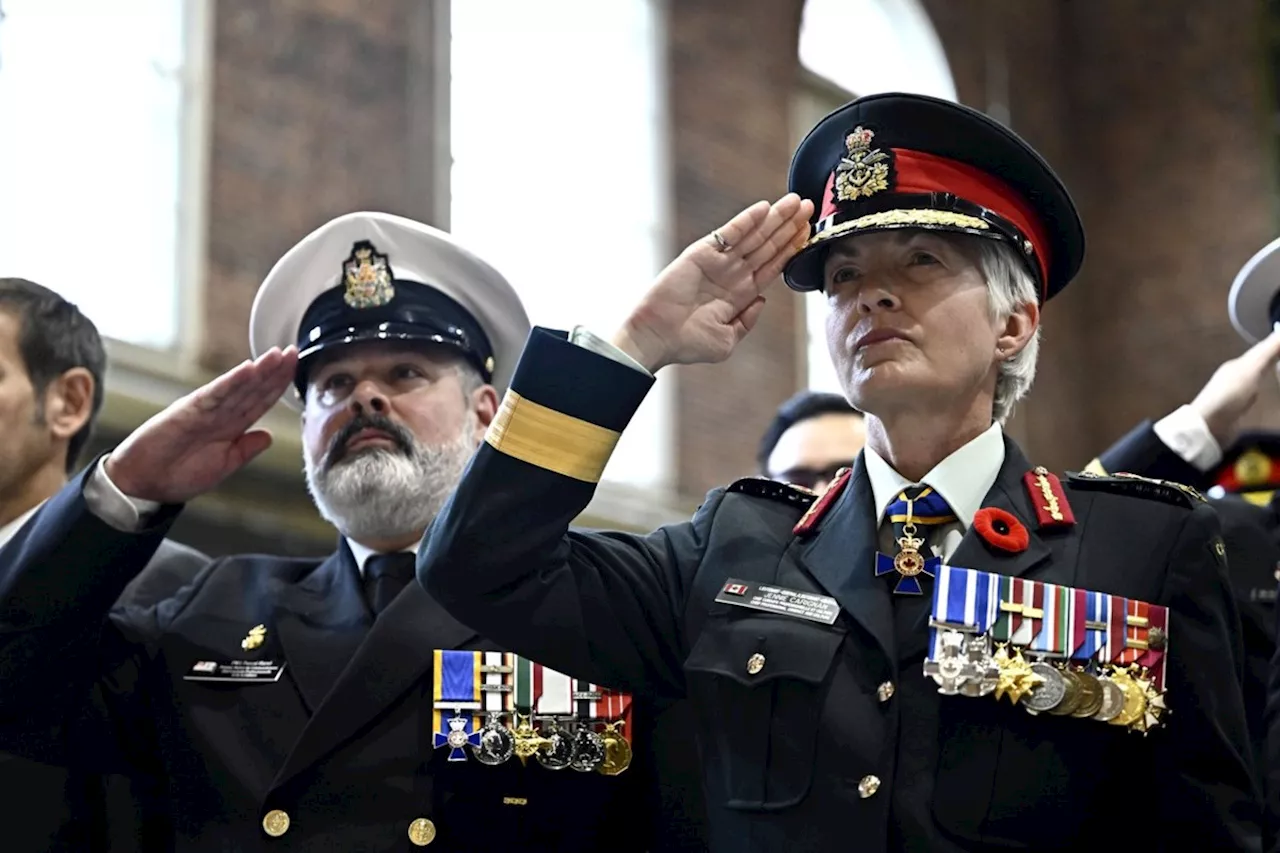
[[1095, 467], [552, 440]]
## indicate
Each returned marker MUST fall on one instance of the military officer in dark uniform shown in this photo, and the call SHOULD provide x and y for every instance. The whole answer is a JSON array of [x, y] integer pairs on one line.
[[1201, 444], [302, 704], [976, 673]]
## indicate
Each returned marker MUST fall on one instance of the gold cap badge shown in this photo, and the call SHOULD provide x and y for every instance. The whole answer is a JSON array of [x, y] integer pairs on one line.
[[367, 277], [863, 171]]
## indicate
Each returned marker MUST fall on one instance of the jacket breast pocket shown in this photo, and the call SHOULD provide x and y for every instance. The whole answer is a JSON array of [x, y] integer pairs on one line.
[[758, 683]]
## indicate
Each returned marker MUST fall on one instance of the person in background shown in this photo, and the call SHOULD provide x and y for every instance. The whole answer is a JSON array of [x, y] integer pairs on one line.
[[812, 436], [52, 363], [1203, 445]]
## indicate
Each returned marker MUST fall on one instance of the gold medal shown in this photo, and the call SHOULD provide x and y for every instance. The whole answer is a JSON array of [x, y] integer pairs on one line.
[[909, 562], [1135, 701], [527, 739], [1153, 705], [1016, 678], [617, 751], [1090, 695]]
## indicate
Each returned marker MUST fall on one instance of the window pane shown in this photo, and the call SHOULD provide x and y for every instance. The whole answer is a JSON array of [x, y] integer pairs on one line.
[[557, 175], [870, 46], [91, 94]]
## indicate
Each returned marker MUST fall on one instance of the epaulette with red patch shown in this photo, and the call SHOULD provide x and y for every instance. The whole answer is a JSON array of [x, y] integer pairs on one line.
[[809, 521], [1048, 499], [774, 490]]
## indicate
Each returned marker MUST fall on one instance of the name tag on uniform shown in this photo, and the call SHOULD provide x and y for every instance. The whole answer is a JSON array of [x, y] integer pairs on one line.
[[238, 671], [777, 599]]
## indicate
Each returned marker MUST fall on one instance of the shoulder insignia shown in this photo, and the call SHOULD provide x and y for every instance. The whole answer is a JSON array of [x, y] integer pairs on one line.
[[774, 490], [809, 522], [1141, 487], [1048, 498]]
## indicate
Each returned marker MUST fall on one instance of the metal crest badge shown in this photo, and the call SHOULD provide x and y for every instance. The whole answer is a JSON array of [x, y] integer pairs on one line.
[[366, 274], [863, 171], [256, 637]]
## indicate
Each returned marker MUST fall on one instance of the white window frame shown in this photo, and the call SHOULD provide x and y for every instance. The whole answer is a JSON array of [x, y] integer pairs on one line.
[[133, 364]]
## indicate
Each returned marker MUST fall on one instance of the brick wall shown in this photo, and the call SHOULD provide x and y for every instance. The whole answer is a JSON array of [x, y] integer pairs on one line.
[[311, 119], [1155, 114], [732, 65]]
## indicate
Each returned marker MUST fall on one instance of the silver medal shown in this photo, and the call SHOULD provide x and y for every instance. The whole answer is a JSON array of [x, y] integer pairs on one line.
[[1048, 693], [1112, 700], [496, 743], [979, 671], [948, 668], [588, 750], [558, 753]]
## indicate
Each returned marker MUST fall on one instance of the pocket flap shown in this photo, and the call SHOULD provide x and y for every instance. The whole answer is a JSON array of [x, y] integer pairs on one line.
[[758, 649]]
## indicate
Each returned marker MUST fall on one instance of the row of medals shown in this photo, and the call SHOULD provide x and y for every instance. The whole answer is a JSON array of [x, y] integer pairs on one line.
[[555, 743], [1119, 695]]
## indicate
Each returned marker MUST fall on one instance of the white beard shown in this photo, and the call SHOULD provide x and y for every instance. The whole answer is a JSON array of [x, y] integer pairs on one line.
[[381, 494]]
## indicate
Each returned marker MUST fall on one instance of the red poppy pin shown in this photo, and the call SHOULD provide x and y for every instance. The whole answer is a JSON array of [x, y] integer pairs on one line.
[[1001, 529]]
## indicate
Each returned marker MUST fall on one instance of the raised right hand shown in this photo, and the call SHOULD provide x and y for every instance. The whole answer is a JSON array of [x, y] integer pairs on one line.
[[206, 436], [1234, 386], [706, 300]]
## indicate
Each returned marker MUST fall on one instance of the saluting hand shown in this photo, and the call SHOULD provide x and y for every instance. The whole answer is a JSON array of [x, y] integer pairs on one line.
[[200, 440], [1234, 386], [706, 300]]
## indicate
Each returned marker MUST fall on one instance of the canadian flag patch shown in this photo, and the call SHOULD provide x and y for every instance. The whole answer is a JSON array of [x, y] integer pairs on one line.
[[735, 588]]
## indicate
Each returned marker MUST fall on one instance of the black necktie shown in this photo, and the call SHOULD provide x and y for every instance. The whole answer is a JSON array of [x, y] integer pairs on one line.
[[384, 576]]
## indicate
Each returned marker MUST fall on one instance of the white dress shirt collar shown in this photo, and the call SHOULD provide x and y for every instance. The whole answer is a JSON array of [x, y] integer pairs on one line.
[[963, 478]]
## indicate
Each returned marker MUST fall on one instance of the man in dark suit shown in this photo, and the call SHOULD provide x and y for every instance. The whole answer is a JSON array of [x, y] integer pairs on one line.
[[51, 369], [799, 628], [328, 704]]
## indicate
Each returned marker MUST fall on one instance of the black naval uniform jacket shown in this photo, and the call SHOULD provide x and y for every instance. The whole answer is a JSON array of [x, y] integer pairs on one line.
[[46, 808], [341, 742], [836, 740]]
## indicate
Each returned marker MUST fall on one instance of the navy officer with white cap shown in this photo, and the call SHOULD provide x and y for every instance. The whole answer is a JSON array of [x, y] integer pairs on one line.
[[306, 704]]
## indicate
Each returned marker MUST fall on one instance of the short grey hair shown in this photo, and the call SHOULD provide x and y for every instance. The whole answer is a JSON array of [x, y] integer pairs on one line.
[[1009, 285], [469, 377]]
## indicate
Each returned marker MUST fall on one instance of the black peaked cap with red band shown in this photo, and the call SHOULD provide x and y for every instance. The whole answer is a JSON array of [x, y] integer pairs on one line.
[[895, 160]]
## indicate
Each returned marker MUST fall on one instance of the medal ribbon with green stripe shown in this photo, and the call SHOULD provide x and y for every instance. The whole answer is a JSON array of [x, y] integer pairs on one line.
[[1054, 638], [524, 685]]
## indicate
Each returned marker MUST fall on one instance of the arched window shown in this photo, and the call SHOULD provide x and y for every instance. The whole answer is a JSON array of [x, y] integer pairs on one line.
[[851, 48], [559, 174], [101, 156]]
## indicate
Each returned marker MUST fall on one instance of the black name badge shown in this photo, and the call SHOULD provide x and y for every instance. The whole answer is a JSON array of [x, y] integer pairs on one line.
[[777, 599], [237, 671]]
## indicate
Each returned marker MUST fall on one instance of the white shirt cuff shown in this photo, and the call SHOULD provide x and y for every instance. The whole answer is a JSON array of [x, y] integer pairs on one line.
[[1185, 433], [585, 338], [107, 502]]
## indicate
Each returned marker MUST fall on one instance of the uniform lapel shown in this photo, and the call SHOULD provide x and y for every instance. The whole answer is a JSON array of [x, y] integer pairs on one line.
[[321, 621], [1009, 494], [395, 655], [841, 557]]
